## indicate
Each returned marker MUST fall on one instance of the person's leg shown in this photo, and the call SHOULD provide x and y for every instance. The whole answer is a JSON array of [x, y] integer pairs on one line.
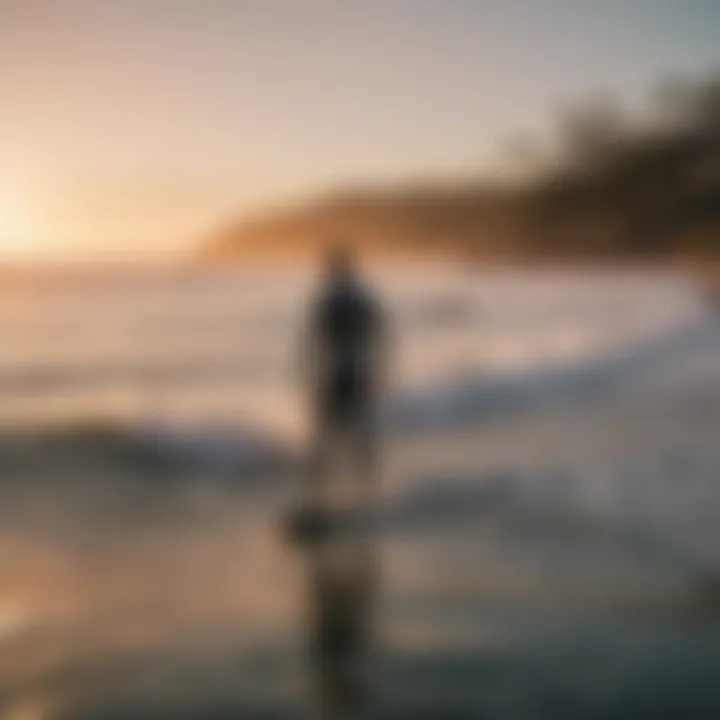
[[366, 451]]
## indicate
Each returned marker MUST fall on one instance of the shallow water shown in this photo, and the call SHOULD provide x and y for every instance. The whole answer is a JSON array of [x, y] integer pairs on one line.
[[547, 543]]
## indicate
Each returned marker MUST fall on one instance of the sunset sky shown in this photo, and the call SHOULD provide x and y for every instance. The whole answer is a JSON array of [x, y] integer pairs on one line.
[[130, 127]]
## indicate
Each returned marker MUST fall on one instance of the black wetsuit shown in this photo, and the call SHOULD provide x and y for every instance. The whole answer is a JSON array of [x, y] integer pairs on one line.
[[346, 335]]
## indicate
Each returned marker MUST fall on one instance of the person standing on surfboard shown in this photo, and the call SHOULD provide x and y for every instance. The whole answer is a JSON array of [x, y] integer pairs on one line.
[[346, 359]]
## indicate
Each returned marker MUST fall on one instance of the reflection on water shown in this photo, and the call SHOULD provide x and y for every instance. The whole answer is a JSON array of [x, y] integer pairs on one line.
[[343, 577]]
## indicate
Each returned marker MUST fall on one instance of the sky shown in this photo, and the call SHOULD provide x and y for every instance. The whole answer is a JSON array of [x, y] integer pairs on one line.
[[131, 128]]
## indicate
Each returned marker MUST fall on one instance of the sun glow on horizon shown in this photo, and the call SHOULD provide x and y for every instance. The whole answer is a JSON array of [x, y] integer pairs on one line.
[[16, 236]]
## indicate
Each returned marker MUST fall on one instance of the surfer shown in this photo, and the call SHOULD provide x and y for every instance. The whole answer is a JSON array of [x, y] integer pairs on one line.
[[346, 366]]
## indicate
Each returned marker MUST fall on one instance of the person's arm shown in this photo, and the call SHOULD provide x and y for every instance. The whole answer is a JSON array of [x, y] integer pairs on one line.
[[308, 347]]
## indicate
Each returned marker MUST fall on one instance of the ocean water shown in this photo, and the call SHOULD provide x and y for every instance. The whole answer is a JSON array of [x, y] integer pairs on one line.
[[224, 346], [546, 542]]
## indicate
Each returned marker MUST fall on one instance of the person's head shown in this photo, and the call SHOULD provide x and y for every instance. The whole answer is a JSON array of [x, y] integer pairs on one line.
[[339, 262]]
